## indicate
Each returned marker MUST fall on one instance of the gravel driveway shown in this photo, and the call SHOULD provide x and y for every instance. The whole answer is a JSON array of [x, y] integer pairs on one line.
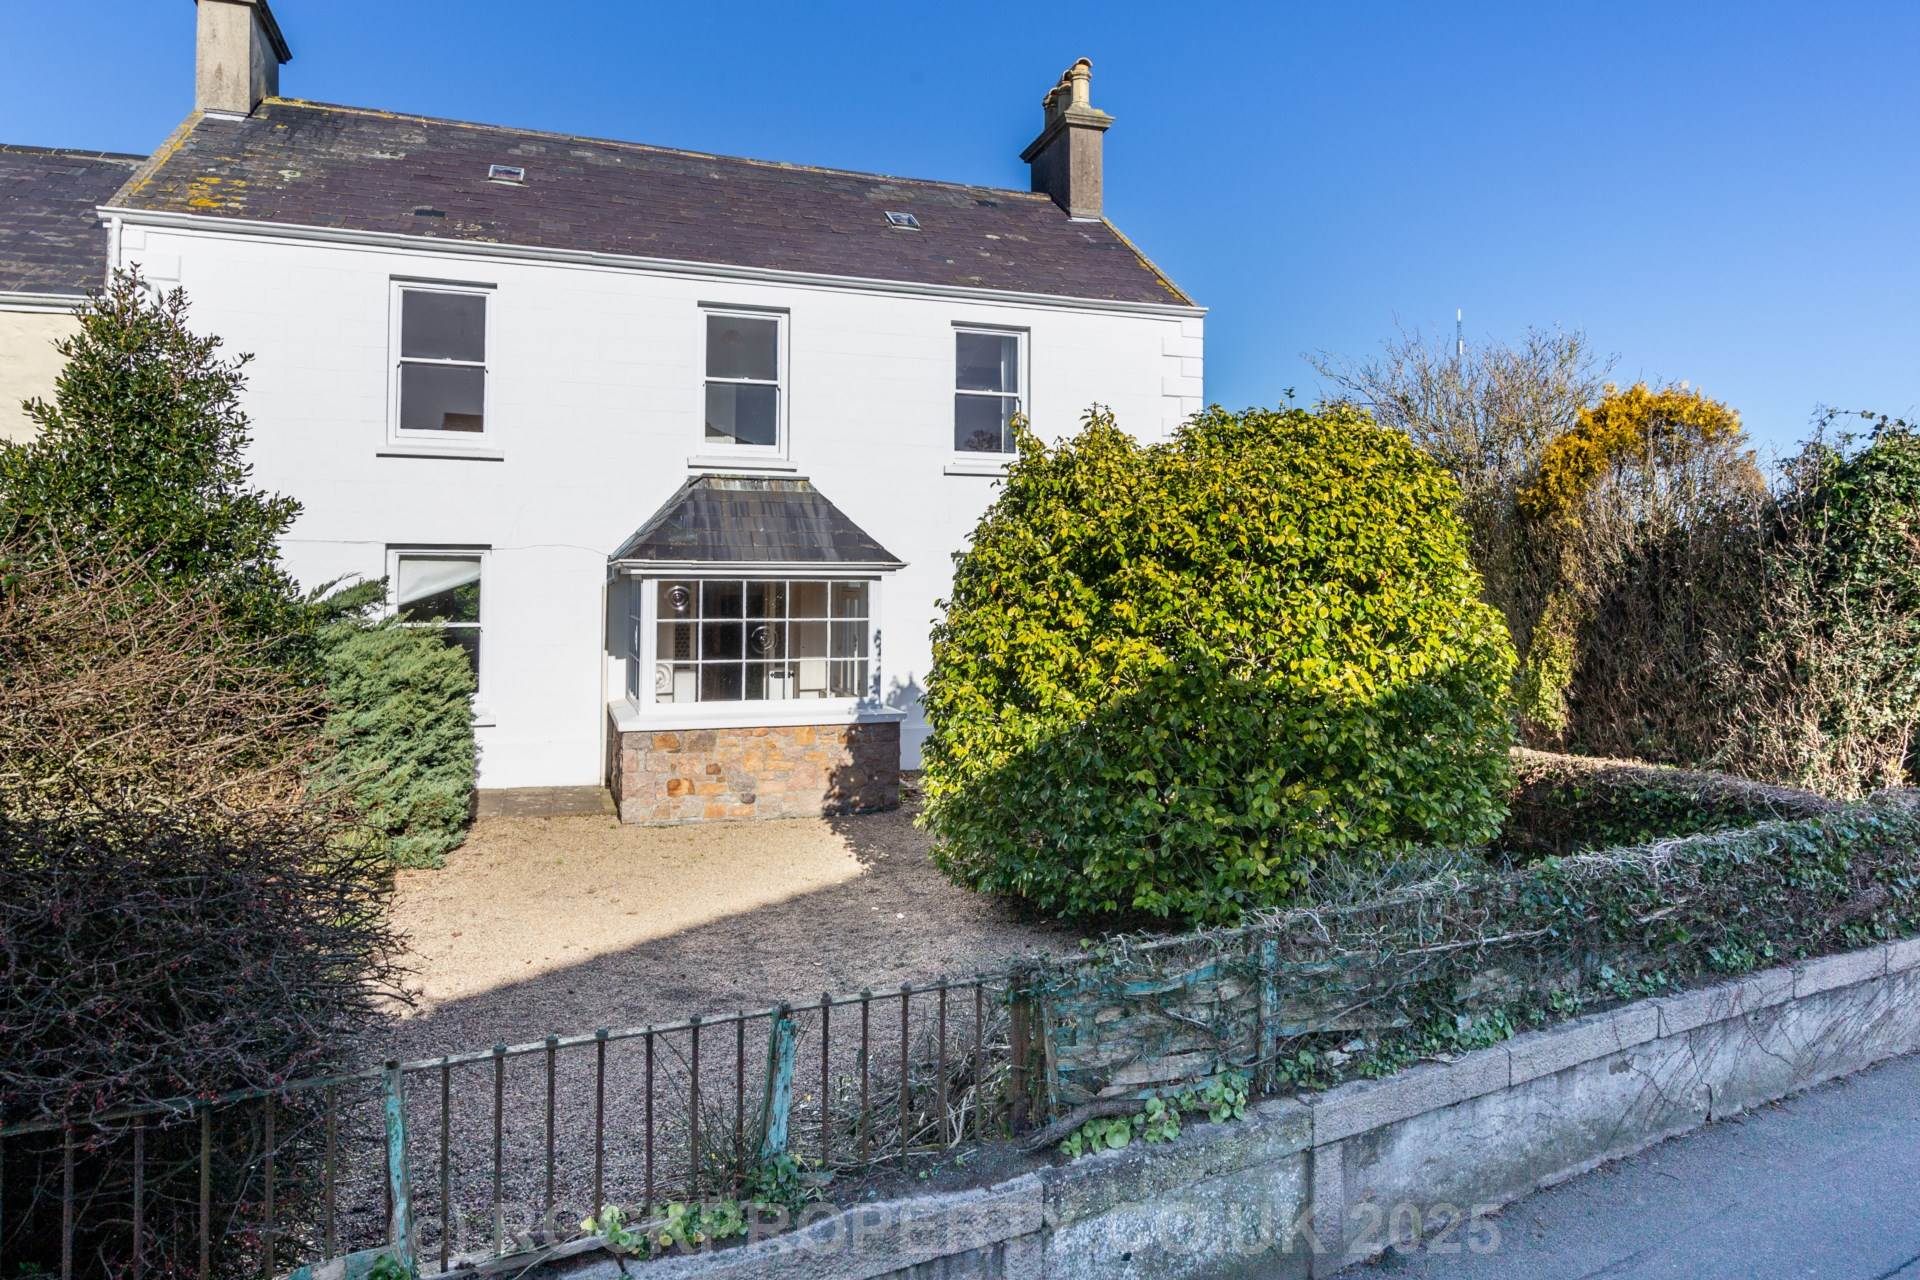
[[541, 925], [566, 924]]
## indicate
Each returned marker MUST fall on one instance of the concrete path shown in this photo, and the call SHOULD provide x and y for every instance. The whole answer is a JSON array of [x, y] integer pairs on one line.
[[1825, 1184], [542, 802]]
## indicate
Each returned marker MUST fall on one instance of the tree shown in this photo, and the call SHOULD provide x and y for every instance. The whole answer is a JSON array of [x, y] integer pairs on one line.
[[1645, 475], [1485, 412], [1176, 680], [141, 461], [1821, 687], [141, 455]]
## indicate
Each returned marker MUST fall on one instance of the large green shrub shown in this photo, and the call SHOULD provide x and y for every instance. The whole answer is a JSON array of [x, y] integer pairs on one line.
[[1173, 680], [401, 729]]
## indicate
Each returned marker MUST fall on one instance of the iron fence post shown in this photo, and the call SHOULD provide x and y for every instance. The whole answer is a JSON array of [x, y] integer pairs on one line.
[[777, 1103], [394, 1105]]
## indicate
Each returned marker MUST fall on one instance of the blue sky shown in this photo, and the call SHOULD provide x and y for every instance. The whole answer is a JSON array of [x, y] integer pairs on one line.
[[1719, 192]]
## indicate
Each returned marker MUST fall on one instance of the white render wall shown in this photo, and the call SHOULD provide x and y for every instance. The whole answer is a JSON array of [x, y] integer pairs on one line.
[[595, 402], [28, 363]]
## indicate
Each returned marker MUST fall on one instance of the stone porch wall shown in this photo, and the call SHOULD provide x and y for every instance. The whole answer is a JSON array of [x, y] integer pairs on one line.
[[784, 771]]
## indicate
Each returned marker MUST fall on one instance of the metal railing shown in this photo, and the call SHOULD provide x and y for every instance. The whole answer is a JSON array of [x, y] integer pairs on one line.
[[488, 1154]]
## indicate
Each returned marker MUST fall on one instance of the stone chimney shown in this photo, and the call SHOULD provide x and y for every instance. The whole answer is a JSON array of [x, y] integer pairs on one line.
[[1066, 155], [237, 56]]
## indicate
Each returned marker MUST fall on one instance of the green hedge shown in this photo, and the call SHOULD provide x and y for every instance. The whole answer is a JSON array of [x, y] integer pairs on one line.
[[1173, 680], [1574, 804], [1403, 973], [402, 726]]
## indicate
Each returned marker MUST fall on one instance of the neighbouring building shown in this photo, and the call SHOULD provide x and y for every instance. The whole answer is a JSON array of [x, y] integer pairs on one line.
[[53, 248], [677, 447]]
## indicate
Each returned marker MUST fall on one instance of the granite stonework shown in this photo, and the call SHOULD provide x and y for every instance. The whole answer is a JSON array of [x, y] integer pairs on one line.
[[780, 771], [1309, 1186]]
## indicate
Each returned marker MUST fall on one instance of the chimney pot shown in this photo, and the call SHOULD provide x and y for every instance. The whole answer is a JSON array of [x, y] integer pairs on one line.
[[1066, 157], [238, 51]]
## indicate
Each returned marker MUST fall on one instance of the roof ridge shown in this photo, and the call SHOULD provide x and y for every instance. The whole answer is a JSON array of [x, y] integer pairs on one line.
[[78, 153], [655, 148], [1166, 281], [144, 173]]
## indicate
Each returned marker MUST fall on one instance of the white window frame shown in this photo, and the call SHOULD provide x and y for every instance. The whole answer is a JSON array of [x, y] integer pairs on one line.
[[451, 441], [766, 711], [1021, 398], [482, 713], [724, 451]]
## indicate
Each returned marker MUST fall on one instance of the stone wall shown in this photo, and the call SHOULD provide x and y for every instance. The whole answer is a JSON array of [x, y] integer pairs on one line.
[[1307, 1186], [783, 771]]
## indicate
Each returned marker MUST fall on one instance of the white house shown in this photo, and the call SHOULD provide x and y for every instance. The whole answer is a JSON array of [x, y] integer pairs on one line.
[[677, 446]]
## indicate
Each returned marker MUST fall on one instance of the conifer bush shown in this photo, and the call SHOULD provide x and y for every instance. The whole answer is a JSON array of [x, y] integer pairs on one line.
[[400, 728], [1173, 680]]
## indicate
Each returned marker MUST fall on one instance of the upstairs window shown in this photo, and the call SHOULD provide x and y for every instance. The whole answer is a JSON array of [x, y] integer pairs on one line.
[[744, 375], [986, 391], [441, 375], [440, 592], [761, 640]]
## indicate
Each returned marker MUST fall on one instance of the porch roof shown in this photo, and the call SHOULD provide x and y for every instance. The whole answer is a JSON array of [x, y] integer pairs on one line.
[[759, 520]]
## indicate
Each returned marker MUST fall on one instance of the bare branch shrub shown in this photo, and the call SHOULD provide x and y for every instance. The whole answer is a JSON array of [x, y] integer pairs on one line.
[[1662, 616], [1777, 634], [1485, 414], [118, 691], [179, 915]]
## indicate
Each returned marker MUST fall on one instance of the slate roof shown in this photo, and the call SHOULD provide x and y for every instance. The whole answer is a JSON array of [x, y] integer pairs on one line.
[[345, 168], [714, 519], [51, 241]]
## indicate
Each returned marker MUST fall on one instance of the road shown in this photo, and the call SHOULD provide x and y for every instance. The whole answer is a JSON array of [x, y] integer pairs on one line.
[[1825, 1184]]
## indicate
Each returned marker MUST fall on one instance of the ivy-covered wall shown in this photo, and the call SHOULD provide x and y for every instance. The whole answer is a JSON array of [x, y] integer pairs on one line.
[[1310, 996]]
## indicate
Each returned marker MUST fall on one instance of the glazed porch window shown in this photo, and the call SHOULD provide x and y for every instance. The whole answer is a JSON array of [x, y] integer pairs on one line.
[[761, 640]]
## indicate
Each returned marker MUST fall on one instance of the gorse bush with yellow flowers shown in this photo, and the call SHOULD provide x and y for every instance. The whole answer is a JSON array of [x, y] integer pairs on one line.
[[1174, 679], [1638, 467], [1671, 599]]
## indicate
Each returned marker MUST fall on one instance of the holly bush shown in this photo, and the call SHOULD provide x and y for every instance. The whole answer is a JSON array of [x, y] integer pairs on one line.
[[141, 455], [1173, 680]]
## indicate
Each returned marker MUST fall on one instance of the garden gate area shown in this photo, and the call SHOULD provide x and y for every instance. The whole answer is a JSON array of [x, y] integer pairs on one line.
[[693, 1128]]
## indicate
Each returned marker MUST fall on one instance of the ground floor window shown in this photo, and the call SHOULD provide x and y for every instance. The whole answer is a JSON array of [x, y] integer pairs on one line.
[[440, 591], [760, 639]]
